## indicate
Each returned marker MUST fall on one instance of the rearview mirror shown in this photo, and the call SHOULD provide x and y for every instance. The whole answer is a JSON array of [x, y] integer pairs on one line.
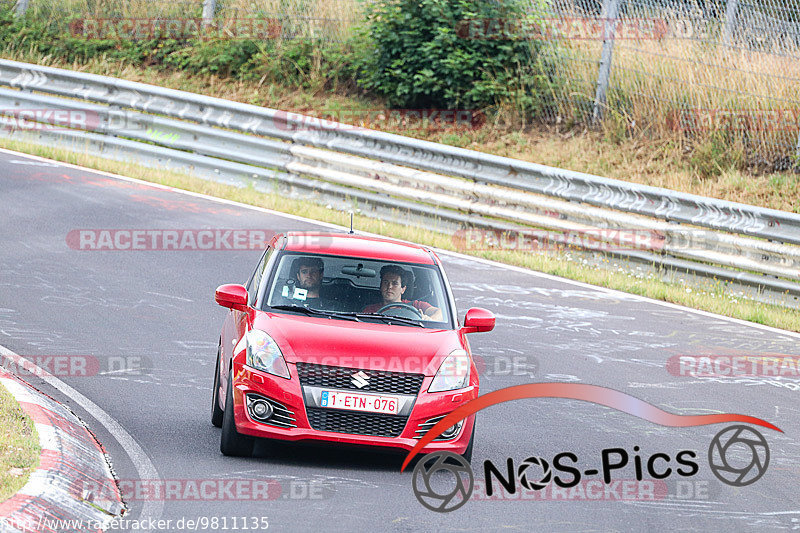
[[232, 296], [478, 320], [359, 271]]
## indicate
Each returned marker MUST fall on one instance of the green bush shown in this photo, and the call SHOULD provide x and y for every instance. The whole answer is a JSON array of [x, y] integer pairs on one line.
[[420, 55]]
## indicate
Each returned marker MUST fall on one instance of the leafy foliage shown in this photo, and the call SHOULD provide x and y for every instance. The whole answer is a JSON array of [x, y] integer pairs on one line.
[[453, 54], [301, 62]]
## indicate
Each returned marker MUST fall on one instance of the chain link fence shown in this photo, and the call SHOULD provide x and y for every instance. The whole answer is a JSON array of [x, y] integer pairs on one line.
[[718, 73], [328, 20]]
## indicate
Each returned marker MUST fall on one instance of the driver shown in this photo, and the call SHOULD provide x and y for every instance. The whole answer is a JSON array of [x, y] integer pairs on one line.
[[394, 282]]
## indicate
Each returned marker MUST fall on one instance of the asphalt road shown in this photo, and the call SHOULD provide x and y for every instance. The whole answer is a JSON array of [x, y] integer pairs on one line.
[[159, 305]]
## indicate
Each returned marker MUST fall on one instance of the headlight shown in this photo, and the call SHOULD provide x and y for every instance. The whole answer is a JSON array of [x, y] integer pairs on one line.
[[263, 354], [453, 373]]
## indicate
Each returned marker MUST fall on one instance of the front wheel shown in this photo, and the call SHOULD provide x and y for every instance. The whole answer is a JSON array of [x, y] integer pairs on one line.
[[232, 443]]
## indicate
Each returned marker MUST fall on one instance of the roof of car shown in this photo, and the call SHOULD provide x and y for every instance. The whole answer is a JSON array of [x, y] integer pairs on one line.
[[345, 244]]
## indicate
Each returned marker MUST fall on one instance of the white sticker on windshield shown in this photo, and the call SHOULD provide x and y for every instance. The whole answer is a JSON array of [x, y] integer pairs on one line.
[[285, 292], [299, 294]]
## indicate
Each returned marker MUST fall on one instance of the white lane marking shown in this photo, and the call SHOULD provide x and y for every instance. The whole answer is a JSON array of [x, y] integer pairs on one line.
[[31, 163], [144, 467], [169, 296], [479, 260]]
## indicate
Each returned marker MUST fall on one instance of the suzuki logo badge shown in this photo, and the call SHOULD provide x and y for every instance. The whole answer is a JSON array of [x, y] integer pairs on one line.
[[360, 379]]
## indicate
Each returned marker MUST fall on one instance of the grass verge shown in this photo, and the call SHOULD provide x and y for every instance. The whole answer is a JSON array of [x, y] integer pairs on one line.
[[715, 299], [19, 446]]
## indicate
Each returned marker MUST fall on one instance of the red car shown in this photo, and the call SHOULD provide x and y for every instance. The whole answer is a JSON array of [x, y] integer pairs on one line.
[[345, 339]]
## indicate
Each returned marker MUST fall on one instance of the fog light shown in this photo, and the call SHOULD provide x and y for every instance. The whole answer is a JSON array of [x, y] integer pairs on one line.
[[261, 409], [451, 432]]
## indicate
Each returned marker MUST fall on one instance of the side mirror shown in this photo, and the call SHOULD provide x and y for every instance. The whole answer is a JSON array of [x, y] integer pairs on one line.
[[232, 296], [478, 320]]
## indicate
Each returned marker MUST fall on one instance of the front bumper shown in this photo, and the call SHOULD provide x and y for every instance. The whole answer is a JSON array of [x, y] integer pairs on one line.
[[290, 394]]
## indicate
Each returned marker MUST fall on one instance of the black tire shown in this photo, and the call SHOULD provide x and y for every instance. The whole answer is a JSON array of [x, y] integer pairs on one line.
[[468, 452], [216, 412], [232, 443]]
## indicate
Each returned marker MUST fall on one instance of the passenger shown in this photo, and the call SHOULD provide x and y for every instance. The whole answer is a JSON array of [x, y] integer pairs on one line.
[[309, 272], [309, 275], [394, 282]]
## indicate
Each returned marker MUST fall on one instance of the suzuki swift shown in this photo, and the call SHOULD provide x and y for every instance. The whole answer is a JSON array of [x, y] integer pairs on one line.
[[345, 339]]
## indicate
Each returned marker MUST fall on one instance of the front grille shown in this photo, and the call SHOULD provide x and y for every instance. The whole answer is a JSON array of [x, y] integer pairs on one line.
[[339, 377], [372, 424]]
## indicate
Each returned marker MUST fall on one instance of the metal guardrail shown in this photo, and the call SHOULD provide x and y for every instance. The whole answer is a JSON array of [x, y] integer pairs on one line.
[[463, 186]]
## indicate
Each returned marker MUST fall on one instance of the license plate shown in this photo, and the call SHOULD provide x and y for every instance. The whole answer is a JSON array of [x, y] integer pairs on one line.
[[371, 403]]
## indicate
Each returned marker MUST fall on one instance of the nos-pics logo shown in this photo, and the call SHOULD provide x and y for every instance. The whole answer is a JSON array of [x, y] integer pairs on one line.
[[724, 452], [444, 481]]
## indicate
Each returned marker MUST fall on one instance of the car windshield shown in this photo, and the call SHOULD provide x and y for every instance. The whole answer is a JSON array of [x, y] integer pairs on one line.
[[366, 290]]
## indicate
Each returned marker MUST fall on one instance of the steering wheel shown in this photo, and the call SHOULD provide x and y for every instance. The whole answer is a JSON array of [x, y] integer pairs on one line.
[[401, 305]]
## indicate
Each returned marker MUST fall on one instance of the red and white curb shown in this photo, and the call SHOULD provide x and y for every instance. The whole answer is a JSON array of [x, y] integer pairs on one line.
[[61, 493]]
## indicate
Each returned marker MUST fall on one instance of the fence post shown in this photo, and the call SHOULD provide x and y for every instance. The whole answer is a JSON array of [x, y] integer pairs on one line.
[[610, 13], [21, 7], [730, 20], [209, 9]]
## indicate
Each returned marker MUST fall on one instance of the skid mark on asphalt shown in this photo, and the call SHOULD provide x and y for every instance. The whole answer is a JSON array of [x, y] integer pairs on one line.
[[551, 310], [519, 290], [81, 300], [42, 277], [567, 378], [592, 347], [198, 345], [466, 263], [332, 482], [40, 339], [752, 520], [662, 385], [160, 295]]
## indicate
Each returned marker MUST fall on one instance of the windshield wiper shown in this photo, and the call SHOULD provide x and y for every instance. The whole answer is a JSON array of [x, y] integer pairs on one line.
[[390, 318], [316, 312], [350, 316]]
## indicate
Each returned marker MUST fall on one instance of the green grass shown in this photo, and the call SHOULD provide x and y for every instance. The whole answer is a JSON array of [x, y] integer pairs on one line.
[[714, 299], [19, 446]]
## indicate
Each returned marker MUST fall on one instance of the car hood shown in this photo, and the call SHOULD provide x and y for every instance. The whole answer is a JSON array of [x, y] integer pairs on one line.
[[359, 344]]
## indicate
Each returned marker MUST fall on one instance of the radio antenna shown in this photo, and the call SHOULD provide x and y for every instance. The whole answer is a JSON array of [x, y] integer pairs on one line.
[[351, 222]]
